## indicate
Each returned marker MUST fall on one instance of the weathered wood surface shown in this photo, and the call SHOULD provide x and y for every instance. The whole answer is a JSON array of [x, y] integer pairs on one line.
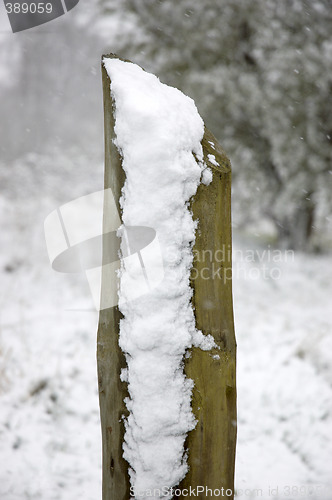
[[110, 358], [212, 443]]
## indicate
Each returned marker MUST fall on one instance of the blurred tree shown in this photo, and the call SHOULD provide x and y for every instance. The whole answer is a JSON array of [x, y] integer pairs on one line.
[[261, 74], [294, 56]]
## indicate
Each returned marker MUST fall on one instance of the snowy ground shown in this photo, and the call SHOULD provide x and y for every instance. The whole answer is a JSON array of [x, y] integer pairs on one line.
[[284, 340], [49, 420]]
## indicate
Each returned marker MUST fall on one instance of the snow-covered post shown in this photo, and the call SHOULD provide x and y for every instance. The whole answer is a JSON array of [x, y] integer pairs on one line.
[[181, 330]]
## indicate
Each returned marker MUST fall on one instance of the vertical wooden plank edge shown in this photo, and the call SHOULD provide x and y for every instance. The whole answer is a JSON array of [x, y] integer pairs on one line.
[[110, 358]]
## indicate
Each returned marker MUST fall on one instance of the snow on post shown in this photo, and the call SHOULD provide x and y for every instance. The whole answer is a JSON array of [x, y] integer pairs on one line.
[[166, 353]]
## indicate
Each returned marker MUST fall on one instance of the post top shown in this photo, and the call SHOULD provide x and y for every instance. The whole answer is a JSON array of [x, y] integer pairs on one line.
[[213, 154]]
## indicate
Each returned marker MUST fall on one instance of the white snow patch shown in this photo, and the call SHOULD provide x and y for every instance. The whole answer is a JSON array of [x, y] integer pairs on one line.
[[213, 160], [158, 132], [207, 176]]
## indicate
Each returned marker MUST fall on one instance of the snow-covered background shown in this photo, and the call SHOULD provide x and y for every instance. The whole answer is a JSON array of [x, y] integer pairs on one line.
[[50, 436], [51, 153]]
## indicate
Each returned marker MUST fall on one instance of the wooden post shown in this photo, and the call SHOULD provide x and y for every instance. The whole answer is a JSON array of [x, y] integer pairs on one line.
[[110, 358], [211, 445]]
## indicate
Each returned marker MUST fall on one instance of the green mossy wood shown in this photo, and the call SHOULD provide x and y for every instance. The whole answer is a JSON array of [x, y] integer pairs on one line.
[[211, 445]]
